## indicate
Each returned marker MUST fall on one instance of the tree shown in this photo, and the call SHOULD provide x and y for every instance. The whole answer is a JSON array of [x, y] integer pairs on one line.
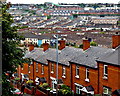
[[11, 54]]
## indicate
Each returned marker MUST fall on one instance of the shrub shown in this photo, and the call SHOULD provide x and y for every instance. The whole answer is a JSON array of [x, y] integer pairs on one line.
[[93, 43], [17, 78], [29, 81]]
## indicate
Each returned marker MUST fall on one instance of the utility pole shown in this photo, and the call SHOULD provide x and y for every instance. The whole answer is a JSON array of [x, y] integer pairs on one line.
[[57, 65]]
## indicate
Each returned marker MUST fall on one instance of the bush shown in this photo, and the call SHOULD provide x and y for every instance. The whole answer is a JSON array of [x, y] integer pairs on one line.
[[45, 85], [17, 78], [93, 43], [29, 81], [81, 46], [65, 91]]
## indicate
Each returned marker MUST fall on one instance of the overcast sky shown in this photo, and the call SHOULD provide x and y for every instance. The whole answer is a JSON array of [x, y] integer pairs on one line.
[[61, 1]]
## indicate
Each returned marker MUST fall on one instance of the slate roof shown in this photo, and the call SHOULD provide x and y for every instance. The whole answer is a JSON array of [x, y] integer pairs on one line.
[[66, 55], [48, 54], [89, 57], [34, 53], [111, 57]]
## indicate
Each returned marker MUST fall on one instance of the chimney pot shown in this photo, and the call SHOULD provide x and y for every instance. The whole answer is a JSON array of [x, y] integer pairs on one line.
[[31, 47], [86, 44], [62, 44], [45, 46]]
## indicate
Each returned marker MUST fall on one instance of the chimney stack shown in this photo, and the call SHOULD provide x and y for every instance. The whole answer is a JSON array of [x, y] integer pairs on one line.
[[45, 46], [115, 40], [31, 47], [86, 43], [62, 44]]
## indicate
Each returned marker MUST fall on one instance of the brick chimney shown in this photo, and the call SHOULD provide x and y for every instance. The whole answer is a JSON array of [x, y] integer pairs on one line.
[[31, 47], [45, 46], [61, 44], [86, 43], [115, 40]]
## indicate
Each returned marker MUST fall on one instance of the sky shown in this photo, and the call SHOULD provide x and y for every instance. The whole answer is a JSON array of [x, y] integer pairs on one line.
[[61, 1]]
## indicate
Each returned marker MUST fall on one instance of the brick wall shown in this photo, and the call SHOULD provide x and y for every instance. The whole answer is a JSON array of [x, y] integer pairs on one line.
[[113, 80], [93, 77], [66, 80]]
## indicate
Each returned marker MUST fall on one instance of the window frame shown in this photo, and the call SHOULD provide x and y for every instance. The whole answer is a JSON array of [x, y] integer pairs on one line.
[[105, 73], [77, 71], [42, 69], [28, 68], [87, 73], [63, 72], [36, 67], [52, 68], [87, 78]]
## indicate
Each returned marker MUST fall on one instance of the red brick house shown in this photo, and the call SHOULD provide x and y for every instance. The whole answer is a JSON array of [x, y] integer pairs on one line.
[[63, 65], [109, 69], [88, 71]]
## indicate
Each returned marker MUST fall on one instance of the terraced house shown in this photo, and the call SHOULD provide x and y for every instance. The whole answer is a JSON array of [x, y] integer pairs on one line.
[[88, 71]]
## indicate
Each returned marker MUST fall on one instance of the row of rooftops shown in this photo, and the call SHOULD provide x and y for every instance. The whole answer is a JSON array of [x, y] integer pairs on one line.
[[67, 55]]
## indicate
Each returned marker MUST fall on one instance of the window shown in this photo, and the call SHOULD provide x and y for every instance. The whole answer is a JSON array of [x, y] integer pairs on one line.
[[105, 71], [87, 75], [31, 62], [78, 88], [22, 67], [54, 84], [107, 90], [64, 72], [52, 68], [36, 67], [28, 68], [77, 72], [42, 69]]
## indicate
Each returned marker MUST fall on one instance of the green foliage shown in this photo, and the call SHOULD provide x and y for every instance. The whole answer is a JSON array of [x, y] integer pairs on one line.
[[81, 46], [17, 78], [93, 43], [44, 85], [48, 17], [29, 81], [65, 90], [11, 54], [102, 32]]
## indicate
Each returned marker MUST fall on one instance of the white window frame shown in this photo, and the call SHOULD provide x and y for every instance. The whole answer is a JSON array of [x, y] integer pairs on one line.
[[28, 68], [52, 68], [106, 89], [36, 67], [77, 68], [22, 67], [77, 86], [87, 78], [104, 73], [64, 72], [31, 62], [42, 70]]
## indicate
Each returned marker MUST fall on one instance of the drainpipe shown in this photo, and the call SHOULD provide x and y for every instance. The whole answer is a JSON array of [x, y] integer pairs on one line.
[[98, 78]]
